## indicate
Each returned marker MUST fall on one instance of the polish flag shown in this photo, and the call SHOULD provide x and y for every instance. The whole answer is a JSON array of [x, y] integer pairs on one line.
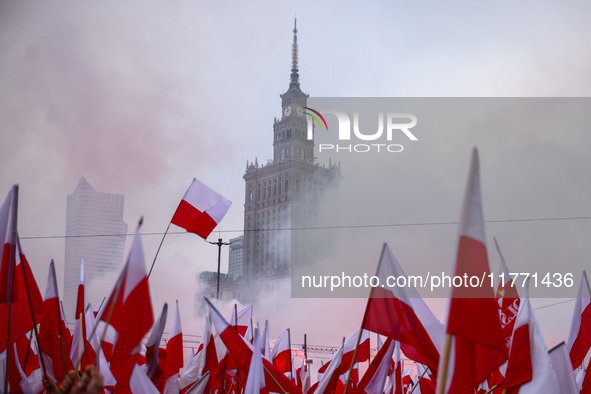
[[8, 220], [22, 321], [507, 299], [477, 343], [200, 210], [426, 385], [154, 364], [349, 350], [129, 309], [407, 382], [174, 350], [281, 353], [80, 335], [243, 321], [53, 332], [241, 352], [205, 361], [579, 337], [374, 379], [400, 313], [529, 368]]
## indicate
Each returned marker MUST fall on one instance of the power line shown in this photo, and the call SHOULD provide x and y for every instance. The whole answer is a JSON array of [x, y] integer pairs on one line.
[[319, 227]]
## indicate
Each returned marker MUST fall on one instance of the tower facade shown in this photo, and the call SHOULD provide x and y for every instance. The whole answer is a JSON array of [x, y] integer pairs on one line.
[[281, 197], [95, 232]]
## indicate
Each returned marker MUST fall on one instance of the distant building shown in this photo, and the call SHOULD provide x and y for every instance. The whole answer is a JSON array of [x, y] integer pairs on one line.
[[235, 257], [95, 232], [284, 193]]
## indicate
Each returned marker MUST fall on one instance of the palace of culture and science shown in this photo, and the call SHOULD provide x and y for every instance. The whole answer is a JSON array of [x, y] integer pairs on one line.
[[281, 198]]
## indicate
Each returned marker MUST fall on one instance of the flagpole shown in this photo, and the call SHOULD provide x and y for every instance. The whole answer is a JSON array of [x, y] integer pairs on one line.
[[274, 380], [442, 376], [420, 378], [493, 388], [353, 361], [8, 348], [158, 250]]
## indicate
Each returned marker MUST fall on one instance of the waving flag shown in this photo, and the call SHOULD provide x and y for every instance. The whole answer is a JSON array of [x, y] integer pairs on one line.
[[8, 219], [374, 379], [174, 351], [529, 368], [129, 311], [579, 337], [477, 343], [400, 313], [200, 210]]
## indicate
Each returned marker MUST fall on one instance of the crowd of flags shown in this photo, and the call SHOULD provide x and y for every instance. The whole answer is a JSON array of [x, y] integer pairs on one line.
[[490, 343]]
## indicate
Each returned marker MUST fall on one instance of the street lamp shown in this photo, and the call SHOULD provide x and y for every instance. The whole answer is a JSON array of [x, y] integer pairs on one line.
[[219, 243]]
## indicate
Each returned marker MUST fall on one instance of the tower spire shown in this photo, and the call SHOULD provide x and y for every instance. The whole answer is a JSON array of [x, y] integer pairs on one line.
[[294, 53]]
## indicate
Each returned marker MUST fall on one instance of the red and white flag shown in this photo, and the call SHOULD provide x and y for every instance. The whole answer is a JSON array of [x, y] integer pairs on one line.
[[174, 351], [129, 308], [81, 332], [349, 350], [529, 368], [374, 379], [22, 321], [243, 321], [241, 352], [579, 337], [8, 219], [255, 381], [477, 343], [155, 365], [281, 352], [201, 209], [424, 382], [400, 313], [53, 332]]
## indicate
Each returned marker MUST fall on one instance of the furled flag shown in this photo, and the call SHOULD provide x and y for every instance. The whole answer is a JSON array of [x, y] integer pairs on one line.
[[477, 346], [81, 334], [200, 210], [328, 381], [129, 311], [8, 219], [564, 372], [174, 351], [54, 337], [243, 321], [529, 368], [400, 313], [281, 352], [154, 364], [579, 337], [374, 379]]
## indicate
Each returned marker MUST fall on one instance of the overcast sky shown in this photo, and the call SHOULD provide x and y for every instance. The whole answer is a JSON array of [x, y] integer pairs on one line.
[[140, 97]]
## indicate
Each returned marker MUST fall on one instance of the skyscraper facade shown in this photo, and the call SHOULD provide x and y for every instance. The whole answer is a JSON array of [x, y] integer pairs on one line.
[[236, 257], [95, 232], [283, 194]]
